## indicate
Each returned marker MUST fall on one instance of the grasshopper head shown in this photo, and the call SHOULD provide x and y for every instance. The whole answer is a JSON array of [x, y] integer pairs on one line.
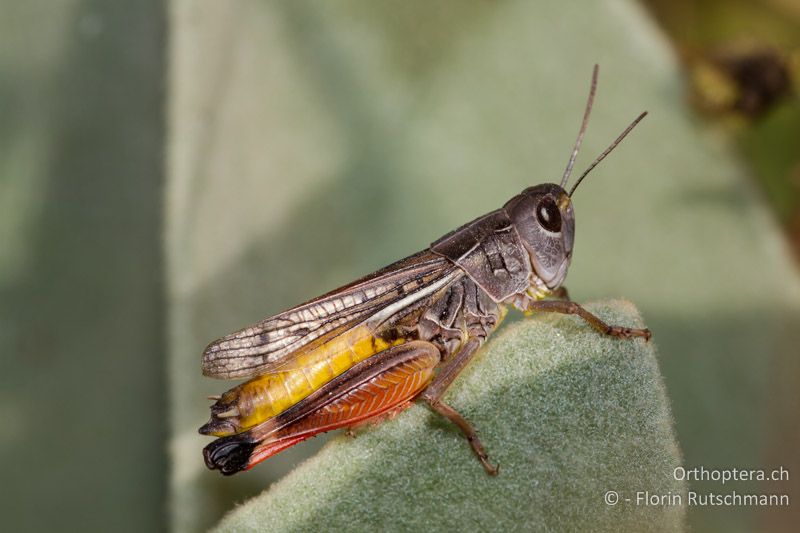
[[544, 220], [543, 214]]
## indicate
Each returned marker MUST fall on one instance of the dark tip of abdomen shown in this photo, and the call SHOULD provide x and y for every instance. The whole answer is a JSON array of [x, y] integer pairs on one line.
[[217, 428], [229, 455], [225, 416]]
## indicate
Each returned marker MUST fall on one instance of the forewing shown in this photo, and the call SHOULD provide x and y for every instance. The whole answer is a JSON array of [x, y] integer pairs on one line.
[[270, 345]]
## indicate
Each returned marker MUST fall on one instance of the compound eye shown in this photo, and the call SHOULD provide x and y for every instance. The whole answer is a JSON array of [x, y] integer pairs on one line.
[[548, 215]]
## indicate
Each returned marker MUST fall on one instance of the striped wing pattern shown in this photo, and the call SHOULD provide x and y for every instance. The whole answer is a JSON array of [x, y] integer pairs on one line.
[[270, 345]]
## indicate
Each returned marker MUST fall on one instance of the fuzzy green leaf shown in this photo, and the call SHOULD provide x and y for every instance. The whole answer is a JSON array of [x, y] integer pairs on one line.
[[568, 413], [312, 143]]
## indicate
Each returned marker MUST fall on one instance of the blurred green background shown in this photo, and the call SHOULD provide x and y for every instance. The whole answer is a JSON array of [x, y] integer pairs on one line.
[[171, 171]]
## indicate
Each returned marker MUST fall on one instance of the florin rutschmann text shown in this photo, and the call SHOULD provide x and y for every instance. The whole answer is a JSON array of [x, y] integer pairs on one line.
[[730, 498]]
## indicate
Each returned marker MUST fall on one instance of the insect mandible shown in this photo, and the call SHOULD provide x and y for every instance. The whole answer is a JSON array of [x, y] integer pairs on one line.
[[368, 349]]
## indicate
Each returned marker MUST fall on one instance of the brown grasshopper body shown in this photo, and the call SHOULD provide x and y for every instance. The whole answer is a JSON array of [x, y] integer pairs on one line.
[[405, 332]]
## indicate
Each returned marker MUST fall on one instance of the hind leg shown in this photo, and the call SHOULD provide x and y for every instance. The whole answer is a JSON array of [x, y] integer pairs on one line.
[[373, 388]]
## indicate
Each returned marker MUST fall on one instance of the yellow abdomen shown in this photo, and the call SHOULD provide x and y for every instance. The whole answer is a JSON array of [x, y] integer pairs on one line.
[[265, 396]]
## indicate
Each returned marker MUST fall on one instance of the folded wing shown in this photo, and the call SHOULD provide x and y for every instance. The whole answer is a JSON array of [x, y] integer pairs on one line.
[[270, 345]]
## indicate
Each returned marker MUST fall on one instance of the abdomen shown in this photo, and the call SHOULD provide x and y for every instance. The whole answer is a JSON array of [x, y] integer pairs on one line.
[[264, 397]]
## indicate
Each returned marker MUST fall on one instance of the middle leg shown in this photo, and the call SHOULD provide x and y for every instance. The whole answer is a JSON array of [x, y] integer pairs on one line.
[[433, 396]]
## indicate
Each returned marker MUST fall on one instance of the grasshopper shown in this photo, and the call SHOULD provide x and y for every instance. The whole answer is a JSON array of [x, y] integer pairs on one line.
[[369, 349]]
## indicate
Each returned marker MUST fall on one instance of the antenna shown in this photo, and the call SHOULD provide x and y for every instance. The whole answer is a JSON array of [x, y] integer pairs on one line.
[[585, 123], [607, 151]]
